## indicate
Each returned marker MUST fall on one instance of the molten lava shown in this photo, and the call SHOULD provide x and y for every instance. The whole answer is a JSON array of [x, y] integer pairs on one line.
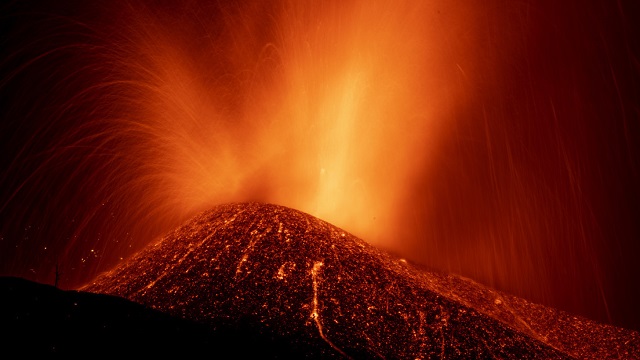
[[496, 139], [166, 110], [326, 293]]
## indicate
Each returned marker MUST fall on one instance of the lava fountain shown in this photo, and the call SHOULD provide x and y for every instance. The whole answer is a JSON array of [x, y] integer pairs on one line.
[[167, 110], [462, 136]]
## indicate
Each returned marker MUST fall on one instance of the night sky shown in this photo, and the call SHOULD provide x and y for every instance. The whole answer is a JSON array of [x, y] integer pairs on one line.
[[499, 140]]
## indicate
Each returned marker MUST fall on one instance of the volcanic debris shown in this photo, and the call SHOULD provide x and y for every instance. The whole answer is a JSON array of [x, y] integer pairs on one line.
[[300, 281]]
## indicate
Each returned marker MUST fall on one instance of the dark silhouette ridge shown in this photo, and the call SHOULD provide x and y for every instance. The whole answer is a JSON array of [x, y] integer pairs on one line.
[[38, 319]]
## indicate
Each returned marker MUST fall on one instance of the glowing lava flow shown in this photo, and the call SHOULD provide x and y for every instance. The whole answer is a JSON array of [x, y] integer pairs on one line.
[[327, 293], [315, 312]]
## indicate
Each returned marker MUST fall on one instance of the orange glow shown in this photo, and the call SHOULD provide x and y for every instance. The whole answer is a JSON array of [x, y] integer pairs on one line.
[[497, 140], [327, 108]]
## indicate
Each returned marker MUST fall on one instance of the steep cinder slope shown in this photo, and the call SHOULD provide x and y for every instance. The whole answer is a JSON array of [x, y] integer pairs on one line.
[[295, 278]]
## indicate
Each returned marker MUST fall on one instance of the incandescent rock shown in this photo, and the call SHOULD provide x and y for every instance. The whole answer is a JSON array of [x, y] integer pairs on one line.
[[303, 282]]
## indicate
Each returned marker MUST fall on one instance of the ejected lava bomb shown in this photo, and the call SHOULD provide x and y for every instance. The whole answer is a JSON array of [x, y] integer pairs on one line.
[[296, 278]]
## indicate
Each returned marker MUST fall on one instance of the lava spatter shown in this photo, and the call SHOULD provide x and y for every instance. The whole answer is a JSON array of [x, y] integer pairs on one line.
[[292, 276]]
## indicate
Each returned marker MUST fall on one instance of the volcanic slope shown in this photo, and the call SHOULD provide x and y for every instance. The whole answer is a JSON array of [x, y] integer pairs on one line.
[[297, 279]]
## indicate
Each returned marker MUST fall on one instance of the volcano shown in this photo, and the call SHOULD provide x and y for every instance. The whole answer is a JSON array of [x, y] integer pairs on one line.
[[299, 280]]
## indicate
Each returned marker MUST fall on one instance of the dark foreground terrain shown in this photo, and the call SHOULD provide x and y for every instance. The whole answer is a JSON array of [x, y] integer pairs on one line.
[[266, 281], [37, 319]]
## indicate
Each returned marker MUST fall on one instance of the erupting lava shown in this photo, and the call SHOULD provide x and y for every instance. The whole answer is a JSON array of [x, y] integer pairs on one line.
[[494, 139], [325, 106]]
